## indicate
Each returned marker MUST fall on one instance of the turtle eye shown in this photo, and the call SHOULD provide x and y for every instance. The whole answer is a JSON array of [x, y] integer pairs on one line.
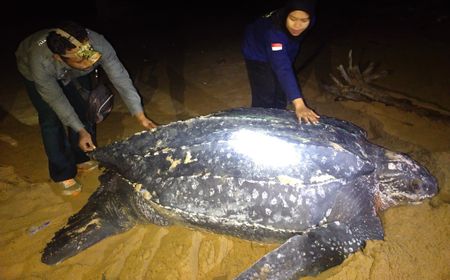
[[415, 184]]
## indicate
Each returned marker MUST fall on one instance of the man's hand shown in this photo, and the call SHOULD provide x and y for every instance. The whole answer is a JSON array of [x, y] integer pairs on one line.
[[144, 121], [85, 141], [304, 113]]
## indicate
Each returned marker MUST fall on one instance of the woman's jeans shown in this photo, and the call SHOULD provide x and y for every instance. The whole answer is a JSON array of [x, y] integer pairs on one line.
[[61, 146], [266, 90]]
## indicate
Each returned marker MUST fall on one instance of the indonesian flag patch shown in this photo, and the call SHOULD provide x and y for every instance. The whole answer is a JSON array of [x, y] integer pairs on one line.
[[277, 47]]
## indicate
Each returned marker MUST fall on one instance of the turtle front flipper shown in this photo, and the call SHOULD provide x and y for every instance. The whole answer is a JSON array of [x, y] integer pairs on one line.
[[314, 251], [109, 211]]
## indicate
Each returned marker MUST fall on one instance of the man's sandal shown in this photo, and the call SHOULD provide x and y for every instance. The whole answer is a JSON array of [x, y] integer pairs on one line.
[[87, 166], [71, 187]]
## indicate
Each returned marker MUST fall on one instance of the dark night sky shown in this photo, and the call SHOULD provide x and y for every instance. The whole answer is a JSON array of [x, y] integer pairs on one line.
[[125, 19], [25, 18], [164, 16]]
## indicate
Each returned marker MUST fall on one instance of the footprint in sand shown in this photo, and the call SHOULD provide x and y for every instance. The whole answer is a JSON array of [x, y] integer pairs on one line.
[[8, 139]]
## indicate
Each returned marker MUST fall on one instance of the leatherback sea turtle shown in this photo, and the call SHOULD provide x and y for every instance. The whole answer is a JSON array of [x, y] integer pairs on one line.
[[252, 173]]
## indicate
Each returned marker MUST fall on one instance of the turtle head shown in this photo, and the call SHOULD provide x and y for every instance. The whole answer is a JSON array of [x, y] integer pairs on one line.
[[402, 180]]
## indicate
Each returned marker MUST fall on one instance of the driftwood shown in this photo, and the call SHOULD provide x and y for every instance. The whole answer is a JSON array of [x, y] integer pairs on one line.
[[355, 85]]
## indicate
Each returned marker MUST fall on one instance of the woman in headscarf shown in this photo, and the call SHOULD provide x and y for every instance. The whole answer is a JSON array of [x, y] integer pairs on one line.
[[270, 46]]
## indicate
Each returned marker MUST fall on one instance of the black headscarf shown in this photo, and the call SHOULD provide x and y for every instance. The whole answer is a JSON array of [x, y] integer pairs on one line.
[[279, 16]]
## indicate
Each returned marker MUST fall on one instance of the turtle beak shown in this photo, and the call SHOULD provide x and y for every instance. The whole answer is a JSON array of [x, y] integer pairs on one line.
[[426, 186]]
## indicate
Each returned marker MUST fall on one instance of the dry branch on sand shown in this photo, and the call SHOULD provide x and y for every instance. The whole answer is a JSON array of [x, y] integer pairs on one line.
[[354, 84]]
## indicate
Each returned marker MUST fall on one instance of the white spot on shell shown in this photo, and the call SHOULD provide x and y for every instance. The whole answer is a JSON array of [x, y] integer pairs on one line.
[[264, 195], [173, 162], [137, 186], [146, 195], [159, 143], [337, 147], [322, 178], [321, 192], [230, 193], [188, 158], [292, 198], [290, 181], [255, 194]]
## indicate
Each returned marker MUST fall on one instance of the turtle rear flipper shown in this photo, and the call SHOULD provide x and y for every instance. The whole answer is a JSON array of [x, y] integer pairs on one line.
[[82, 231], [109, 211], [313, 252]]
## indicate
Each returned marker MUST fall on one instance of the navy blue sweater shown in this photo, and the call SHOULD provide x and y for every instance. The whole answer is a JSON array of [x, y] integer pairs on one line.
[[265, 42]]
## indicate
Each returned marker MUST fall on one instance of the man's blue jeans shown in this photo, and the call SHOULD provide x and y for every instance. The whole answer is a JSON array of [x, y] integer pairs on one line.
[[61, 145], [266, 90]]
